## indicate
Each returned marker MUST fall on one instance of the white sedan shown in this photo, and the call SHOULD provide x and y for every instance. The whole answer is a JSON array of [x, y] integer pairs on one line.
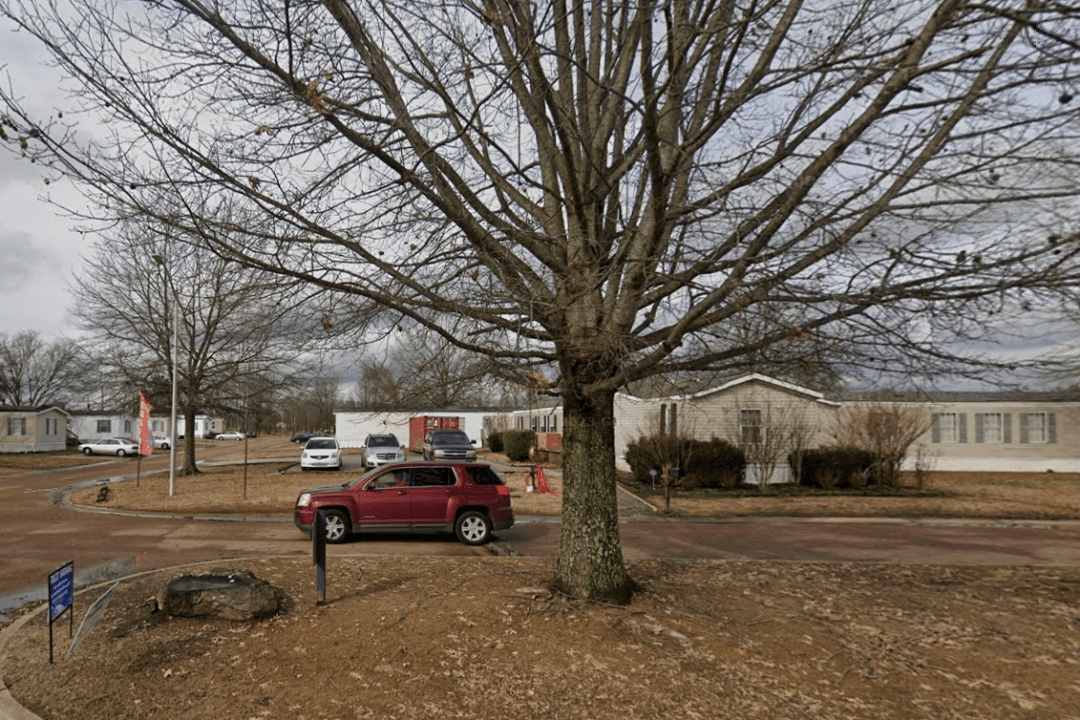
[[234, 435], [110, 446], [321, 452]]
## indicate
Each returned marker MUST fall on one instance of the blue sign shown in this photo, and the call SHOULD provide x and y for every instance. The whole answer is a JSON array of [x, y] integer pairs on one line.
[[61, 590]]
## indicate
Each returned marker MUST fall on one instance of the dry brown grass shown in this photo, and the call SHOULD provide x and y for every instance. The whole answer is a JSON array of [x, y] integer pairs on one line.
[[1036, 496], [271, 488], [485, 638]]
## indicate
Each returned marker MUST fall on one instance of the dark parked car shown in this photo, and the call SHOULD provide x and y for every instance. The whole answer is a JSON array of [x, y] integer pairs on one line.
[[448, 445], [467, 499], [303, 437]]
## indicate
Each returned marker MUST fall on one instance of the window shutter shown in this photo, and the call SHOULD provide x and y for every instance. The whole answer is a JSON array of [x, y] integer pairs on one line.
[[663, 419], [961, 420], [979, 436], [673, 425], [1024, 428], [1051, 428], [1006, 427], [935, 428]]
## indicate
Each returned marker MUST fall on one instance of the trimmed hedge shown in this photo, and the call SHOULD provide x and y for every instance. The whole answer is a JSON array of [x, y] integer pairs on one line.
[[517, 444], [495, 442], [835, 467], [706, 464]]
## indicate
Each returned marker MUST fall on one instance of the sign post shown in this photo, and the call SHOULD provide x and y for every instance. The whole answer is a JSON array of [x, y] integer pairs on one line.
[[318, 553], [61, 597]]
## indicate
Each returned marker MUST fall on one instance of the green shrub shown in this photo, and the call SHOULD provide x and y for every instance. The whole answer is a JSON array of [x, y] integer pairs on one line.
[[714, 463], [495, 442], [834, 467], [518, 443], [705, 464]]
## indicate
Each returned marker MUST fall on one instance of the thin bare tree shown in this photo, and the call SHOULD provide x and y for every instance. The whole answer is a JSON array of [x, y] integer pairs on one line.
[[234, 326], [596, 188], [887, 429], [35, 371]]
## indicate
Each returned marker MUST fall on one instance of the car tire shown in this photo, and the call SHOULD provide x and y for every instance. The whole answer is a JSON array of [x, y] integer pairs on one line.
[[473, 528], [121, 453], [337, 527], [87, 451], [164, 446], [303, 469]]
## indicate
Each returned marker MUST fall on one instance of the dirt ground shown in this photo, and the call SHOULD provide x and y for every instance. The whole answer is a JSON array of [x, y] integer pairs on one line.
[[485, 637]]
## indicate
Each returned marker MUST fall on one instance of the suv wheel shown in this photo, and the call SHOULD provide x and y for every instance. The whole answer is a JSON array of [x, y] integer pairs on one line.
[[473, 528], [337, 526]]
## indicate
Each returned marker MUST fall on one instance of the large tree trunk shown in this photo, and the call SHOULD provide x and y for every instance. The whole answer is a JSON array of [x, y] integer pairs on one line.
[[590, 563], [189, 468]]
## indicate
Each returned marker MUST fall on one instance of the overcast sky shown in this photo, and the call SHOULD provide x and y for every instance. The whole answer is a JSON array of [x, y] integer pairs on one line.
[[38, 248]]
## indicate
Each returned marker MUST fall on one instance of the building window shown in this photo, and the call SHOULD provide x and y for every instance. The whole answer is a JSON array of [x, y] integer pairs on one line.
[[16, 426], [750, 422], [533, 423], [158, 426], [554, 423], [520, 423], [990, 428], [1038, 428], [104, 426], [949, 428], [127, 427], [51, 427]]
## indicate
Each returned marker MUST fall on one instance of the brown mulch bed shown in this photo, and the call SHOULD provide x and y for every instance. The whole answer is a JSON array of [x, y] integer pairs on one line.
[[485, 638]]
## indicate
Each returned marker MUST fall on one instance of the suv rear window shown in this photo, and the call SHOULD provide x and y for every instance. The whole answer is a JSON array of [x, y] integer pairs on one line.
[[484, 476], [431, 476]]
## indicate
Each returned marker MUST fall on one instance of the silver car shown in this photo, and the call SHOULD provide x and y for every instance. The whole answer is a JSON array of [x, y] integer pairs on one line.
[[380, 449], [110, 446]]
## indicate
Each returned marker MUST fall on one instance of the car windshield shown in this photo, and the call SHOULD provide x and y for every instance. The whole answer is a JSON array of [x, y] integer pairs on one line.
[[382, 441], [322, 444], [453, 436]]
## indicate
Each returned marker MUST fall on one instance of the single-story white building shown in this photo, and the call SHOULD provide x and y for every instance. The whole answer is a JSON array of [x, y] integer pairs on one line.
[[990, 434], [40, 429], [1004, 432], [353, 426], [740, 411]]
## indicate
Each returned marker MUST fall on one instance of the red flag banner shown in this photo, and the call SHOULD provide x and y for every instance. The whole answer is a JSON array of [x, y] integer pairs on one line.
[[542, 483], [146, 447]]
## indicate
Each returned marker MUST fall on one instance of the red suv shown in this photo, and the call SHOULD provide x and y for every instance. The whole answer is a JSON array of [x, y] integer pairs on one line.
[[468, 499]]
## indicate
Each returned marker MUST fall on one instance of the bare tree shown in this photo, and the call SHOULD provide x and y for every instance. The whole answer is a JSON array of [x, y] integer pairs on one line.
[[34, 371], [597, 188], [887, 429], [424, 368], [768, 434], [378, 386], [232, 323], [668, 449]]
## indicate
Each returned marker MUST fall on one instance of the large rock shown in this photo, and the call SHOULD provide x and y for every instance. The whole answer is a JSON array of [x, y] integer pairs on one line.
[[226, 594]]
